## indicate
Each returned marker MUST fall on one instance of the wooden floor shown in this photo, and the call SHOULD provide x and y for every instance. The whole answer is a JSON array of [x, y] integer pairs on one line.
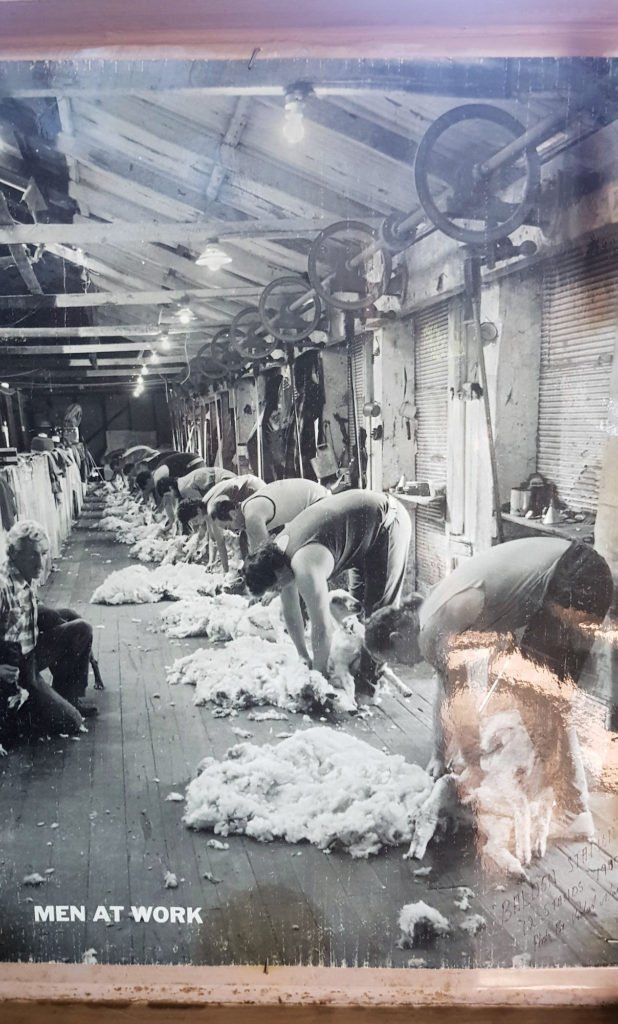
[[94, 811]]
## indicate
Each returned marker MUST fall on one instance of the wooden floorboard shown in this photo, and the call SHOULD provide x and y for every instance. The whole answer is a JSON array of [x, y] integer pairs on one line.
[[270, 903]]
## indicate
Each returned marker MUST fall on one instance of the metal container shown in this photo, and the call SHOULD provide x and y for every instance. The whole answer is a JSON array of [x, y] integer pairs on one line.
[[520, 501]]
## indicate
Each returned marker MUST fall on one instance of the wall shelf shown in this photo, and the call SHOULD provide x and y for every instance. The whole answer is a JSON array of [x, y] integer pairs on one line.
[[570, 531], [436, 500]]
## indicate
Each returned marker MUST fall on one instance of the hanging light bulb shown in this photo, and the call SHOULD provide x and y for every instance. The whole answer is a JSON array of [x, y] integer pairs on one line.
[[144, 371], [164, 341], [293, 118], [213, 258], [154, 357], [293, 121], [185, 315]]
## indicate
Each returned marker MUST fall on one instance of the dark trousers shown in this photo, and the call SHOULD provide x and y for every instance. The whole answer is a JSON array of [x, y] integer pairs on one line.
[[378, 582], [63, 646]]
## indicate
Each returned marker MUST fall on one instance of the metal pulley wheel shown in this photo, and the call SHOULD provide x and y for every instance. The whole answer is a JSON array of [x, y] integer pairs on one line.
[[498, 195], [248, 335], [222, 350], [390, 238], [289, 310], [203, 364], [347, 267]]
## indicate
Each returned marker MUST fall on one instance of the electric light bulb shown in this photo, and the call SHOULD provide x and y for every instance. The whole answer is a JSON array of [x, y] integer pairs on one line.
[[164, 341], [213, 258], [293, 123], [144, 371], [185, 315], [154, 357]]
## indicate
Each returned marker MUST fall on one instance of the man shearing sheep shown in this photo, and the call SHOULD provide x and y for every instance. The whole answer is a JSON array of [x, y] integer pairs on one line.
[[267, 510], [540, 600], [196, 514], [357, 530], [171, 465], [193, 486]]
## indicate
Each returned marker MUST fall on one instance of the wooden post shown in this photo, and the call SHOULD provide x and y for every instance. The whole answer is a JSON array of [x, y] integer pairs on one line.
[[296, 423], [21, 423], [258, 430], [472, 278]]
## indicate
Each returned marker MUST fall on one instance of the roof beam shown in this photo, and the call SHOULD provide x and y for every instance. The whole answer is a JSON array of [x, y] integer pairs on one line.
[[103, 331], [235, 128], [166, 233], [91, 147], [497, 78], [76, 349], [165, 363], [18, 252], [161, 297]]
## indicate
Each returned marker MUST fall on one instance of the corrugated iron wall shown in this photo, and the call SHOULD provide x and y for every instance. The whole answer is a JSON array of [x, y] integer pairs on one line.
[[580, 316], [431, 331]]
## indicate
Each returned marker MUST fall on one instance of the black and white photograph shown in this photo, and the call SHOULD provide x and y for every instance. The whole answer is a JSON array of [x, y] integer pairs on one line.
[[309, 512]]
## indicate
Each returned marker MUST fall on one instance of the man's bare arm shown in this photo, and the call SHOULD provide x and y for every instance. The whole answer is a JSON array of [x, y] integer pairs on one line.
[[293, 616], [312, 583], [255, 523], [217, 535]]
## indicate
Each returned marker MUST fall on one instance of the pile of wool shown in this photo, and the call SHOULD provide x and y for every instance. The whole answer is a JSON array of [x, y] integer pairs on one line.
[[196, 548], [181, 582], [123, 530], [214, 617], [126, 506], [138, 585], [249, 672], [224, 617], [154, 546], [421, 923], [319, 785], [132, 585], [127, 520], [263, 620]]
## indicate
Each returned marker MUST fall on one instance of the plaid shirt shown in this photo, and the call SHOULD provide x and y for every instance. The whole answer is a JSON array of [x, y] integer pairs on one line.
[[18, 609]]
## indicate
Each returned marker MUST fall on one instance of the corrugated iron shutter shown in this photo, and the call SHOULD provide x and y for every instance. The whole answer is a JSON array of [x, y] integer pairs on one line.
[[431, 400], [580, 304], [359, 376], [358, 353]]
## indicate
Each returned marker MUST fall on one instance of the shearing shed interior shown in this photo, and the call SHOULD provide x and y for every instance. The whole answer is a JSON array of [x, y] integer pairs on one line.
[[390, 286]]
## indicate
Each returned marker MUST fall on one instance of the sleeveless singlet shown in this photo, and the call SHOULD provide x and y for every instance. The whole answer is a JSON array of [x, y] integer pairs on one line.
[[287, 499], [513, 577], [347, 525], [246, 485]]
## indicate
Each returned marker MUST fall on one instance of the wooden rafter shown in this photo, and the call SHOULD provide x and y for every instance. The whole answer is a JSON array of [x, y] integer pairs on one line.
[[160, 297], [76, 349], [102, 331], [85, 232], [497, 78], [230, 140], [19, 253]]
